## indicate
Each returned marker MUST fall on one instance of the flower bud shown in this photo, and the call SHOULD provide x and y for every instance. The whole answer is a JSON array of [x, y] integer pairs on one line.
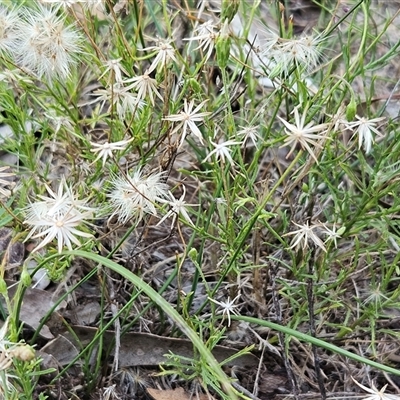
[[229, 8], [192, 254], [195, 85], [3, 286], [351, 110], [23, 352], [26, 277], [223, 46], [341, 230]]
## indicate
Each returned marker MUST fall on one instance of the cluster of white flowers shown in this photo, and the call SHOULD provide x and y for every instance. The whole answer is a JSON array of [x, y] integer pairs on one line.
[[118, 91], [120, 97], [39, 40], [58, 217], [304, 135], [310, 233], [134, 195]]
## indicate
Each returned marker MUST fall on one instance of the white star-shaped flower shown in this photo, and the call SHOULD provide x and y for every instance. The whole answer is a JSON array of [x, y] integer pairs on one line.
[[145, 86], [105, 150], [298, 134], [249, 133], [119, 97], [303, 235], [165, 53], [187, 119], [178, 207], [333, 234], [376, 394], [222, 151], [228, 307], [365, 128], [58, 217], [115, 70], [207, 34]]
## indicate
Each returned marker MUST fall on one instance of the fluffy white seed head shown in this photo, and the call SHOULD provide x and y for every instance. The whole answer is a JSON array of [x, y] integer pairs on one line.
[[46, 46], [8, 31], [136, 195]]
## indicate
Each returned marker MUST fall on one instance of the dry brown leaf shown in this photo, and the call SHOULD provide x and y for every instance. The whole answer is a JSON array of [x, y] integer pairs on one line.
[[122, 5], [138, 349], [61, 349], [95, 11], [13, 251], [35, 305], [84, 313], [177, 394]]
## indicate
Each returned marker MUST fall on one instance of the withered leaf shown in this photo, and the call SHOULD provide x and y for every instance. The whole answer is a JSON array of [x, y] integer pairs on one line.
[[147, 349]]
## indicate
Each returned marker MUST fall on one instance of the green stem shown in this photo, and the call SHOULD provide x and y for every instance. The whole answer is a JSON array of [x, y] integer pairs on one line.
[[169, 310], [317, 342]]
